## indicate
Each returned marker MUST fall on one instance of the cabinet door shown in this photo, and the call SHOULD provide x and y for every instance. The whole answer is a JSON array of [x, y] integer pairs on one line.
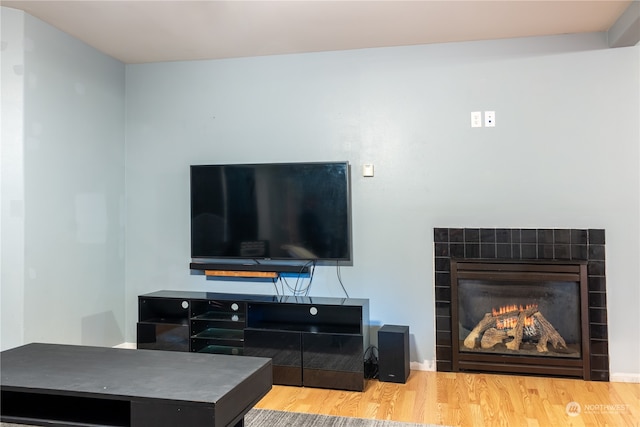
[[285, 350], [333, 361], [163, 336]]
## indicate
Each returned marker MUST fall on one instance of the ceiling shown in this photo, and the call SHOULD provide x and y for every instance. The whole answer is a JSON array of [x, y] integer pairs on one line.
[[174, 30]]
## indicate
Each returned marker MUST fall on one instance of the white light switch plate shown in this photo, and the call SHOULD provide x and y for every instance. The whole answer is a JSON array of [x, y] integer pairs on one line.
[[367, 170]]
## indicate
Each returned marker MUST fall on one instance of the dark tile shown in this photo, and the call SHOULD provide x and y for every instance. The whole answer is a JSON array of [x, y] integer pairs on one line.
[[545, 251], [487, 250], [443, 338], [598, 331], [456, 235], [516, 251], [598, 315], [562, 251], [596, 252], [441, 249], [597, 300], [503, 251], [472, 250], [445, 366], [443, 352], [595, 375], [529, 251], [599, 363], [596, 268], [440, 235], [443, 294], [443, 264], [562, 235], [456, 250], [443, 323], [472, 235], [597, 284], [487, 235], [596, 236], [515, 235], [579, 237], [443, 279], [579, 252], [529, 235], [503, 235], [599, 346], [443, 308], [545, 235]]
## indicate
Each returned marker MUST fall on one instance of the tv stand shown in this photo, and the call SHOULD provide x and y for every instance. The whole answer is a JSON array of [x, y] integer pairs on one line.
[[312, 341]]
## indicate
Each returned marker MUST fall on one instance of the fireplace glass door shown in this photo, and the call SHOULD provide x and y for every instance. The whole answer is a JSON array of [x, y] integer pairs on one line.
[[519, 317]]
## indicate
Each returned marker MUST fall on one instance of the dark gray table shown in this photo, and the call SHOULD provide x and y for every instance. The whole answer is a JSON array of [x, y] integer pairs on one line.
[[52, 384]]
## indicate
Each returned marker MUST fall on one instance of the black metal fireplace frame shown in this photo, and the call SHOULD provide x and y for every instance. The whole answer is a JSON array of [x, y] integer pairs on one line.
[[521, 271]]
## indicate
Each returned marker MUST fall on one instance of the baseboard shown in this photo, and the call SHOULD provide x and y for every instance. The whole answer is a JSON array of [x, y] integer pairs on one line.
[[131, 345], [624, 378], [427, 365]]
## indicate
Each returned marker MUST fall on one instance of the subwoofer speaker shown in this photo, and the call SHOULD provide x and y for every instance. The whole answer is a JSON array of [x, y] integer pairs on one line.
[[393, 354]]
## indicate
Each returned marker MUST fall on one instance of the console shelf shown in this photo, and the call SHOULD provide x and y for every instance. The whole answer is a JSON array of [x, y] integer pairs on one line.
[[313, 341]]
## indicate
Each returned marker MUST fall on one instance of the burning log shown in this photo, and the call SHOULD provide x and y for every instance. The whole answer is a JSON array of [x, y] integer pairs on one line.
[[487, 322], [493, 336], [496, 327], [548, 333]]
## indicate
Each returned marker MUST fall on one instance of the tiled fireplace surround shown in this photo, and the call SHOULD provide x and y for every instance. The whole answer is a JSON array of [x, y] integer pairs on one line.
[[523, 244]]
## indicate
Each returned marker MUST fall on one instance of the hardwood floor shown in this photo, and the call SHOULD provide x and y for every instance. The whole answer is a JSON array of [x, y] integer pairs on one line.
[[474, 400]]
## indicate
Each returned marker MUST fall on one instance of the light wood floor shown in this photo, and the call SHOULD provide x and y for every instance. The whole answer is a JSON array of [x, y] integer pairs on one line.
[[473, 400]]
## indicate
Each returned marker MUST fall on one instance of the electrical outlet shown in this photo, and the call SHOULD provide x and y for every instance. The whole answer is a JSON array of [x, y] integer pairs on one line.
[[490, 119], [476, 119]]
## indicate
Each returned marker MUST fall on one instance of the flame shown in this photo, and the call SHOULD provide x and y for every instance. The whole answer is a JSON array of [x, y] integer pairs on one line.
[[511, 321], [509, 308]]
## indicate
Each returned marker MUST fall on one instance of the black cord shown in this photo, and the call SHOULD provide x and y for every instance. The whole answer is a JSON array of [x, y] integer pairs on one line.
[[340, 277], [371, 362]]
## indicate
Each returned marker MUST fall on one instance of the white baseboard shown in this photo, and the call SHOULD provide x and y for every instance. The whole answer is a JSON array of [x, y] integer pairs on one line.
[[427, 365], [131, 345], [624, 378]]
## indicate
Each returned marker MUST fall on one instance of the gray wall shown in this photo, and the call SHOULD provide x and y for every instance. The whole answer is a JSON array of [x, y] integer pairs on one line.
[[63, 271], [564, 154]]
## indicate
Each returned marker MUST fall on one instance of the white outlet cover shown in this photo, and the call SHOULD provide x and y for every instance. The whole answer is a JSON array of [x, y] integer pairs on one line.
[[489, 119]]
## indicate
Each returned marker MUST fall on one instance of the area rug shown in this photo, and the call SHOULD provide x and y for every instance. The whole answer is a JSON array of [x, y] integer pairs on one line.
[[269, 418]]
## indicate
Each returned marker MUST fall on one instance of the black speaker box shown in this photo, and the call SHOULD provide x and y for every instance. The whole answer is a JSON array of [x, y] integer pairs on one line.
[[393, 354]]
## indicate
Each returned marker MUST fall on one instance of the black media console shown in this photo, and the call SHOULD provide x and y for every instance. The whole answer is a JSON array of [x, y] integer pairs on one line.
[[312, 341]]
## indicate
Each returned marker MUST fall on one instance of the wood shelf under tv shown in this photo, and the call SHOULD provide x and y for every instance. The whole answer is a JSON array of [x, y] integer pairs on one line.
[[247, 270], [250, 274]]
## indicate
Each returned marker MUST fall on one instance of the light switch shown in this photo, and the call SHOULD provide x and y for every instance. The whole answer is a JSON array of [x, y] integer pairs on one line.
[[367, 170]]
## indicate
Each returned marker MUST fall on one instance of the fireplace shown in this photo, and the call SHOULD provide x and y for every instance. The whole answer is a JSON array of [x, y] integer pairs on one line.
[[474, 278], [520, 317]]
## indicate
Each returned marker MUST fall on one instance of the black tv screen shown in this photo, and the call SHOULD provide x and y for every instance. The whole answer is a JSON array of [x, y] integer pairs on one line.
[[292, 211]]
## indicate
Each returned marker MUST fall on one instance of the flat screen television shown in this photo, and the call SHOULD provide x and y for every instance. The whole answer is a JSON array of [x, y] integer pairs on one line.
[[278, 211]]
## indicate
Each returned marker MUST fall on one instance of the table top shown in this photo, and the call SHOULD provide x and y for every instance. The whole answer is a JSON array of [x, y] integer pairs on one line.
[[122, 373]]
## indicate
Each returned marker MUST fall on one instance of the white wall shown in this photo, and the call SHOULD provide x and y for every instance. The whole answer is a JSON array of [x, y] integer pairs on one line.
[[70, 285], [564, 154], [12, 178]]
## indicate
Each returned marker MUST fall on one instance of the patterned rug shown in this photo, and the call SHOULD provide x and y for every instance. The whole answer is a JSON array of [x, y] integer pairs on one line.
[[269, 418]]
